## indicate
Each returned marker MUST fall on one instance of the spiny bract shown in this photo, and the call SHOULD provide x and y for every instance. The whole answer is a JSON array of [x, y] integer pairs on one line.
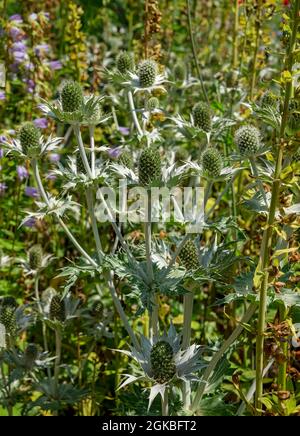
[[57, 309], [162, 362], [149, 166], [125, 62], [147, 72], [248, 140], [212, 162], [30, 138], [189, 255], [71, 97], [35, 256], [202, 116]]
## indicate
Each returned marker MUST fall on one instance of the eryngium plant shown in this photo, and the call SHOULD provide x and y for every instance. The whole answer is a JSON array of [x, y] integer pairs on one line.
[[212, 162], [149, 166], [189, 256], [30, 139], [248, 140], [202, 116], [125, 62], [71, 97]]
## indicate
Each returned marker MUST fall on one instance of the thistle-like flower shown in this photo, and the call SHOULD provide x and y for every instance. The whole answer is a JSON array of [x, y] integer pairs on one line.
[[125, 62], [149, 166], [189, 256], [147, 78], [163, 362], [212, 162], [248, 140], [125, 159], [202, 116], [30, 140], [71, 97], [152, 104], [8, 319], [179, 72], [57, 309], [35, 257], [269, 99]]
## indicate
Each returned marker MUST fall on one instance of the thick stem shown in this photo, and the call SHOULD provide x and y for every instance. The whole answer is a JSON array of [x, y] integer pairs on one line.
[[195, 52], [133, 113], [92, 145], [82, 152], [256, 175], [188, 302], [90, 203], [165, 403], [57, 359], [268, 233], [219, 354]]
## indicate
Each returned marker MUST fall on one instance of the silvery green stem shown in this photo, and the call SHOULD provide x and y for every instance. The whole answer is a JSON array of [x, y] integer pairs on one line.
[[207, 191], [188, 303], [165, 403], [176, 253], [256, 175], [115, 118], [92, 145], [219, 354], [133, 113], [57, 358], [90, 203], [82, 152]]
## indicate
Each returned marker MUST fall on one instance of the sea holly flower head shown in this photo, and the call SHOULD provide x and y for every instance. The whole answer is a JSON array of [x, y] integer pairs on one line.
[[248, 140], [212, 162], [36, 260], [146, 78], [164, 362], [201, 116], [189, 256], [149, 166], [125, 62]]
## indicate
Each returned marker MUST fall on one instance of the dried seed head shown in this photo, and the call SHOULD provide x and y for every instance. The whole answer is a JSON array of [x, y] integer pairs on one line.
[[152, 103], [147, 72], [35, 256], [71, 97], [162, 362], [248, 140], [30, 138], [8, 319], [125, 62], [212, 162], [149, 166], [202, 116], [57, 309], [189, 255]]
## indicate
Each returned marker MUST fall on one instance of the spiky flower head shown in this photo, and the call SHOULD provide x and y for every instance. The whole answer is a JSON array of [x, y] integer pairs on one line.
[[30, 139], [8, 301], [162, 362], [202, 116], [71, 97], [35, 257], [147, 72], [269, 99], [149, 166], [8, 319], [179, 71], [152, 103], [57, 309], [125, 159], [212, 162], [294, 115], [125, 62], [30, 355], [189, 255], [248, 140]]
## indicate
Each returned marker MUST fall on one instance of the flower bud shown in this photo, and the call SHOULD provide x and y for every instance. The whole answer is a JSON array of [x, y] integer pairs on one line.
[[152, 103], [212, 162], [202, 116], [189, 255], [71, 97], [149, 166], [162, 362], [57, 309], [147, 72], [125, 62], [35, 256], [247, 138], [30, 138]]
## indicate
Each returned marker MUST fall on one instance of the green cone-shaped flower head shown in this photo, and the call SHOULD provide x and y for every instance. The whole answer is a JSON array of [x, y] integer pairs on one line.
[[71, 97], [57, 309], [179, 71], [189, 255], [162, 362], [202, 116], [269, 99], [149, 166], [8, 301], [212, 162], [30, 355], [126, 160], [125, 62], [147, 72], [152, 103], [35, 257], [30, 139], [248, 140], [8, 319]]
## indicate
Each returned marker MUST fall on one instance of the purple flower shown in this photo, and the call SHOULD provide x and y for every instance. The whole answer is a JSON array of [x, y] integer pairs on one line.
[[124, 130], [1, 153], [51, 176], [16, 17], [55, 65], [22, 173], [54, 157], [33, 17], [2, 95], [16, 34], [30, 222], [19, 46], [41, 49], [30, 85], [41, 123], [28, 66], [31, 192], [114, 152], [3, 188], [3, 139], [19, 56]]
